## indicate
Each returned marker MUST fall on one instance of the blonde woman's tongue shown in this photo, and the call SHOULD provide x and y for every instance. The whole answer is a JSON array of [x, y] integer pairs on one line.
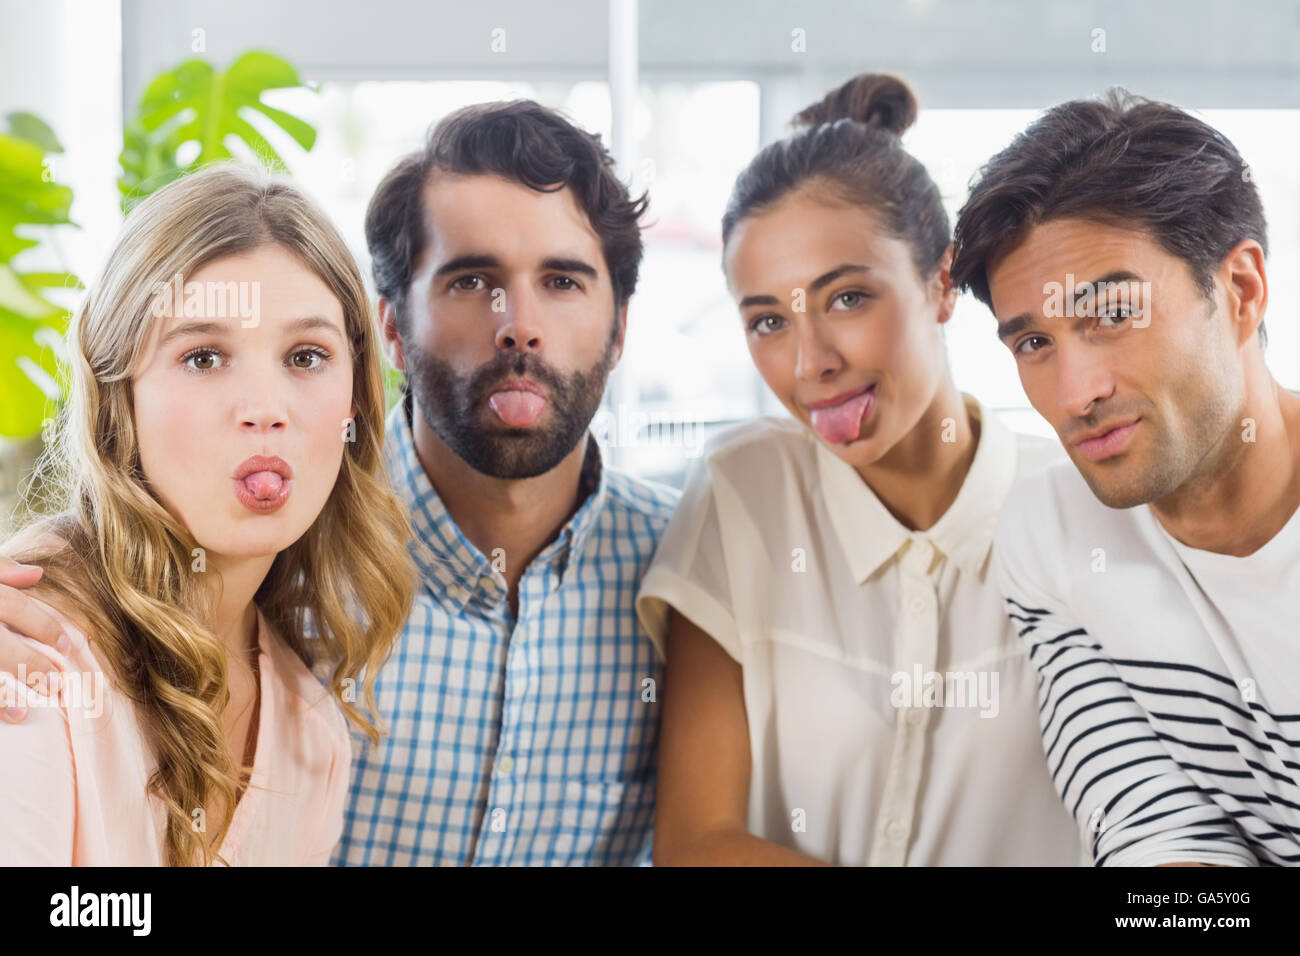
[[263, 484]]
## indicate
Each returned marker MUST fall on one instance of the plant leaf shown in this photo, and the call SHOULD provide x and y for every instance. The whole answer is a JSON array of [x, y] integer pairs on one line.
[[196, 103], [26, 404], [32, 128]]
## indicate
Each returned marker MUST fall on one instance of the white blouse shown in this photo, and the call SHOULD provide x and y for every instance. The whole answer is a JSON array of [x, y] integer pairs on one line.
[[892, 710]]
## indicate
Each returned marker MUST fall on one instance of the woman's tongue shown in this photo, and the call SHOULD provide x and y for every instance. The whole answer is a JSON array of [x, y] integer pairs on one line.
[[842, 422], [263, 485]]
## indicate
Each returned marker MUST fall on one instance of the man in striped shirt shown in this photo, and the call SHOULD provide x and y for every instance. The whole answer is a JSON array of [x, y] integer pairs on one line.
[[1156, 575]]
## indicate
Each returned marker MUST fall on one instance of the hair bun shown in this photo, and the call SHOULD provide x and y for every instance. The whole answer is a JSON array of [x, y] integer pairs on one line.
[[875, 99]]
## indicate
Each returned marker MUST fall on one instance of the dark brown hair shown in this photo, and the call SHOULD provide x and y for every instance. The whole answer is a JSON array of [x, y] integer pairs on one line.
[[851, 147], [1122, 160], [519, 140]]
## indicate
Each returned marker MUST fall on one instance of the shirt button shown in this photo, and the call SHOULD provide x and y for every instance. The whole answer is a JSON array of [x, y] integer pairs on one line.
[[917, 606], [458, 593], [506, 764], [895, 831], [915, 715]]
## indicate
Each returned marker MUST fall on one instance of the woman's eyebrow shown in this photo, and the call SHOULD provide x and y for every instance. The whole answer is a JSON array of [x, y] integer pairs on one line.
[[306, 323], [310, 322], [195, 328], [824, 280], [817, 284]]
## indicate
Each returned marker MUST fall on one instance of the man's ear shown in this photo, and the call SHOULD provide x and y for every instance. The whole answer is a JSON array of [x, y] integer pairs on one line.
[[620, 317], [1246, 284], [391, 340], [941, 285]]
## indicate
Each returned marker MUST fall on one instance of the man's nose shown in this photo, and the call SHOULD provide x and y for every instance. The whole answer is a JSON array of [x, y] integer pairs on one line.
[[521, 323], [1083, 378]]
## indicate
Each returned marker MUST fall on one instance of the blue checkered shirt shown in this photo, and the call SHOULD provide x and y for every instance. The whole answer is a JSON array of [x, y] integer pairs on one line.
[[528, 742]]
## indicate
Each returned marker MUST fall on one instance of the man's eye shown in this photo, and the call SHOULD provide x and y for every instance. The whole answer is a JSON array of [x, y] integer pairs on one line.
[[1020, 346], [463, 279], [203, 356], [568, 283], [1118, 314]]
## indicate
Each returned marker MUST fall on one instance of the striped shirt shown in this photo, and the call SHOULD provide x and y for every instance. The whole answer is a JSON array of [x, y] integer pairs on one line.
[[1169, 677], [515, 742]]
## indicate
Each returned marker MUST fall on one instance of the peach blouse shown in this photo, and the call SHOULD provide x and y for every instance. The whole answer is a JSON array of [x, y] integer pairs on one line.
[[77, 769]]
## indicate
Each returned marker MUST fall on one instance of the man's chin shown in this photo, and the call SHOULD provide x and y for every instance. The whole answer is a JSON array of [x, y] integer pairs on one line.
[[514, 453], [1118, 485]]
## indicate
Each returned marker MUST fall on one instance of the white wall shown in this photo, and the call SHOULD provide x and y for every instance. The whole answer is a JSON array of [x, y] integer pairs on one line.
[[62, 60]]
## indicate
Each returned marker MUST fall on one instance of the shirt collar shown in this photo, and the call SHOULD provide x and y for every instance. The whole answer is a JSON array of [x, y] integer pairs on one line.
[[441, 551], [870, 535]]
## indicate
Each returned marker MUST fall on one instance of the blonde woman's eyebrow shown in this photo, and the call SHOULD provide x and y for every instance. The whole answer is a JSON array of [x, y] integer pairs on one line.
[[194, 328], [307, 323], [311, 323]]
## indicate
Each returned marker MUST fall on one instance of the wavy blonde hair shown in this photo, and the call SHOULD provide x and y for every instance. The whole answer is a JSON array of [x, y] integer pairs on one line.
[[124, 561]]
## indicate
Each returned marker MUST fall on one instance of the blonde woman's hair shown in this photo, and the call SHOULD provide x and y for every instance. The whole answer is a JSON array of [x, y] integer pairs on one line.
[[339, 595]]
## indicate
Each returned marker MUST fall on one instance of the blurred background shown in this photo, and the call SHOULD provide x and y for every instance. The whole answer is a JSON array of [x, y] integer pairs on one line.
[[101, 101]]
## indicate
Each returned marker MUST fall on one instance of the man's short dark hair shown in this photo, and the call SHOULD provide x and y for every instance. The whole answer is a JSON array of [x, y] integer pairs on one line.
[[519, 140], [1122, 160]]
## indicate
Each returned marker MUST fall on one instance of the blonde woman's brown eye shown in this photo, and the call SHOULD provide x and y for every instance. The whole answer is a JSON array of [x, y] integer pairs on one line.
[[311, 356], [205, 356]]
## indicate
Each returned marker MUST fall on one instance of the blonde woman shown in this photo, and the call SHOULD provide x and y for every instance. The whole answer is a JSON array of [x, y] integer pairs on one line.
[[227, 526]]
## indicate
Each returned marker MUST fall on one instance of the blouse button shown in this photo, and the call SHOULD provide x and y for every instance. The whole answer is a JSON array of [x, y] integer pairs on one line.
[[895, 831]]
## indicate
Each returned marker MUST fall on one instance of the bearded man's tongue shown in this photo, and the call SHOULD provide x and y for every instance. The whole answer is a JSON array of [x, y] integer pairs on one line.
[[516, 407], [841, 423]]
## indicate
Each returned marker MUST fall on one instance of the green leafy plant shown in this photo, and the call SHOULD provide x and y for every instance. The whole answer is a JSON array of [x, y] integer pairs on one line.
[[199, 104], [30, 324], [193, 109]]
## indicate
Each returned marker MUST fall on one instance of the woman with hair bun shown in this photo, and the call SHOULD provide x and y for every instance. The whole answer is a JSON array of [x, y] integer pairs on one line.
[[843, 685]]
